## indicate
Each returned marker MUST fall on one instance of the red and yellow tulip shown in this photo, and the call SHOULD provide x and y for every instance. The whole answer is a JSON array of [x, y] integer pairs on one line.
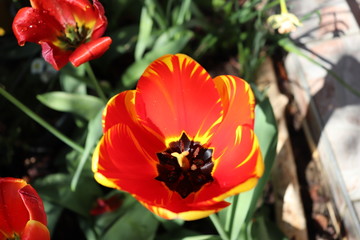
[[181, 142], [67, 30], [22, 214]]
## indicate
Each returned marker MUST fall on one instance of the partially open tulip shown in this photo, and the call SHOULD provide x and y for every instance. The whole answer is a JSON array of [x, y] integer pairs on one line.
[[181, 142], [67, 30], [22, 214]]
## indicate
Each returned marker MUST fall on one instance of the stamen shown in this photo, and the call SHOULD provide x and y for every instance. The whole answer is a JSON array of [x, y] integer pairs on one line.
[[182, 159]]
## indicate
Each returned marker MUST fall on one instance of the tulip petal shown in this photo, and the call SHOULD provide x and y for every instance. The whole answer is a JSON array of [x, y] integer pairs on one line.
[[13, 214], [90, 50], [35, 230], [126, 158], [119, 108], [243, 157], [189, 213], [238, 100], [176, 94], [64, 11], [34, 25], [57, 57], [101, 21], [33, 203]]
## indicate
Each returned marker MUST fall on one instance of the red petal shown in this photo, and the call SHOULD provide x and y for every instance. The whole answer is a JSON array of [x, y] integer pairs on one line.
[[237, 167], [90, 51], [61, 10], [35, 230], [127, 152], [34, 25], [57, 57], [185, 212], [33, 203], [238, 161], [120, 108], [127, 156], [101, 22], [13, 213], [176, 94], [241, 156], [238, 100]]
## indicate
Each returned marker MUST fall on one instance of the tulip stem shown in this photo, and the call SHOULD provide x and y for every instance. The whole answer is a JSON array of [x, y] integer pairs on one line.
[[95, 82], [40, 120], [215, 220]]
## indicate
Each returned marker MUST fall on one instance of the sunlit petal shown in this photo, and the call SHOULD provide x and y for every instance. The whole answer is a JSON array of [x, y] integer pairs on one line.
[[35, 230], [188, 213], [176, 94], [243, 157], [238, 100], [138, 177]]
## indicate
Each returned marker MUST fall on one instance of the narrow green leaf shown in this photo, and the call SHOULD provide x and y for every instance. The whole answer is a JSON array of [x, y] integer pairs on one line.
[[242, 204], [94, 133], [184, 10], [82, 105], [136, 223], [146, 24], [55, 189]]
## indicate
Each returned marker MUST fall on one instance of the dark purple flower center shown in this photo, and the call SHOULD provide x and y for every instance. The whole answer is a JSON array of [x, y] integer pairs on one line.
[[74, 36], [185, 166]]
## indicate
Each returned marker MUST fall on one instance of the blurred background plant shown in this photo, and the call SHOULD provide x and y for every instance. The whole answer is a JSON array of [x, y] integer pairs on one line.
[[224, 36]]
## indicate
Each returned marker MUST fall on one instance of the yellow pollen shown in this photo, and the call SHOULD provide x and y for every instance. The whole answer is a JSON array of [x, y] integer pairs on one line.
[[182, 159]]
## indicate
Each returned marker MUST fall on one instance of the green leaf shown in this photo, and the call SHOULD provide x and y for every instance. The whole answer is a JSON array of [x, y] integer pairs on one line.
[[207, 43], [94, 133], [82, 105], [136, 223], [72, 79], [183, 12], [124, 40], [55, 188], [262, 227], [145, 28], [234, 216]]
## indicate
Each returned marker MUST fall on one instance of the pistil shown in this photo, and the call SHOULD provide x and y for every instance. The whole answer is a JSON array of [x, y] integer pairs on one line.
[[182, 159]]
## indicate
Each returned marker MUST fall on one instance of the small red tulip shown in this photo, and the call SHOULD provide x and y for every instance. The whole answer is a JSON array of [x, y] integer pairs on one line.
[[22, 214], [181, 142], [67, 30]]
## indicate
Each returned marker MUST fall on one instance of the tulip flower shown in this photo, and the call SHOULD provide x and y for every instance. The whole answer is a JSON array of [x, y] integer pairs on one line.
[[181, 142], [22, 214], [67, 30]]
